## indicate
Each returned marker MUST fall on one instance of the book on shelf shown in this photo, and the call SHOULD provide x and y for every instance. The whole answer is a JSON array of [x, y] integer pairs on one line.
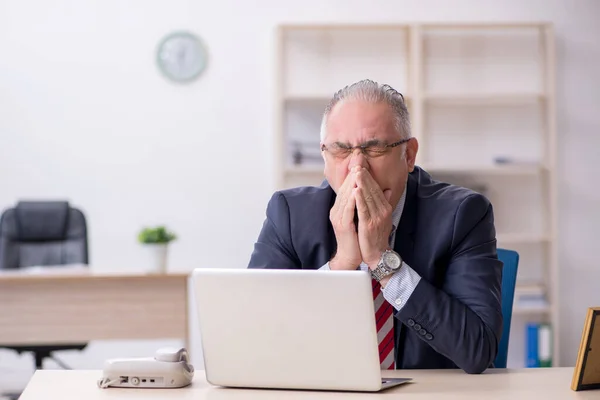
[[530, 296], [538, 345]]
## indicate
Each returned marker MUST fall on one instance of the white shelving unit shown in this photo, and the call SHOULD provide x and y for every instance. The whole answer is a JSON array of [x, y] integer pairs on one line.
[[481, 98]]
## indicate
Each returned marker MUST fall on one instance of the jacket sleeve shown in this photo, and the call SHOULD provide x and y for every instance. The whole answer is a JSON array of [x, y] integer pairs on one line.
[[463, 319], [273, 248]]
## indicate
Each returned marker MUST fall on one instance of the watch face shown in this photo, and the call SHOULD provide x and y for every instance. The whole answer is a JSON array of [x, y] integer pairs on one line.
[[391, 260]]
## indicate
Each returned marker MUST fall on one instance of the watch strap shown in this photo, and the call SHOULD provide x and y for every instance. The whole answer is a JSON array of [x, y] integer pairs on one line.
[[379, 273]]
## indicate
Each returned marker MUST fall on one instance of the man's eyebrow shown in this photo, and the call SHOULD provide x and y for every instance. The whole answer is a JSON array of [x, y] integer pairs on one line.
[[372, 142], [343, 145]]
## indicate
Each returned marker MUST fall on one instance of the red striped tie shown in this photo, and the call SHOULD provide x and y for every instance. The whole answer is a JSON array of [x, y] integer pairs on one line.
[[385, 327]]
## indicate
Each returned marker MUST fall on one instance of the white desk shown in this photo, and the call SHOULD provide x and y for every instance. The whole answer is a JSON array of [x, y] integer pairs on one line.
[[71, 306], [530, 384]]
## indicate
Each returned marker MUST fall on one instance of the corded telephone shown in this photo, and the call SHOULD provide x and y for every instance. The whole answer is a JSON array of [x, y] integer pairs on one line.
[[169, 368]]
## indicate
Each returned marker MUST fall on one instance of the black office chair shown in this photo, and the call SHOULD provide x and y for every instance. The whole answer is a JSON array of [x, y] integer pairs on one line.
[[42, 233]]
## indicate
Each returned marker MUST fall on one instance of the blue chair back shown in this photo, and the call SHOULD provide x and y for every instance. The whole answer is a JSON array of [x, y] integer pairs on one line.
[[510, 258]]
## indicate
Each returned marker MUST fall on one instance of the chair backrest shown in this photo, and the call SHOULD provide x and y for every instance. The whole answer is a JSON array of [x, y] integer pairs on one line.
[[510, 258], [36, 233]]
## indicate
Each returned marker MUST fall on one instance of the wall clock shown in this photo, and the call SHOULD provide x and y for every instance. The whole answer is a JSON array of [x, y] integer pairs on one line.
[[181, 57]]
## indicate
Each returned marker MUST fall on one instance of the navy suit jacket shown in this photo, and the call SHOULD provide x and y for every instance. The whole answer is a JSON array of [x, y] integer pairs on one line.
[[453, 319]]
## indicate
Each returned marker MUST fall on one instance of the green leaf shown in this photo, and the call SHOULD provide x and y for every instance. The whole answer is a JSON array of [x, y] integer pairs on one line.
[[158, 234]]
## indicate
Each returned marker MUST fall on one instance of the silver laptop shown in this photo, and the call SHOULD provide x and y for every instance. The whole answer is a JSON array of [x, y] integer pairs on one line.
[[289, 329]]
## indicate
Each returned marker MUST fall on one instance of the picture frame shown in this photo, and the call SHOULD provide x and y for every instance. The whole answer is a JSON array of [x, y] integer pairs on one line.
[[586, 375]]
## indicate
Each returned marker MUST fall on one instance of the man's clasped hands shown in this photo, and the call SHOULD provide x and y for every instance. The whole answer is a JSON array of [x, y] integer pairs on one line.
[[360, 194]]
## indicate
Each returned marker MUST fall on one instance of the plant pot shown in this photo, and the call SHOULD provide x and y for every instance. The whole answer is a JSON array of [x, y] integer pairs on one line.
[[155, 257]]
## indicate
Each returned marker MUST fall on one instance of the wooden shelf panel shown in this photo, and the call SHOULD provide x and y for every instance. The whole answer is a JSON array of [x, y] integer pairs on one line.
[[339, 26], [319, 98], [304, 169], [500, 169], [504, 170], [308, 98], [517, 310], [485, 26], [521, 238], [486, 99]]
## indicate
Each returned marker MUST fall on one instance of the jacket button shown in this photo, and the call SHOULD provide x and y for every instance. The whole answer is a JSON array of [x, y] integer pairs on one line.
[[410, 322], [429, 336], [417, 327], [422, 332]]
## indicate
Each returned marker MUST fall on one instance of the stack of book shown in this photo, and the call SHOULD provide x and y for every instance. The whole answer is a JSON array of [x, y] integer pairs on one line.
[[530, 297]]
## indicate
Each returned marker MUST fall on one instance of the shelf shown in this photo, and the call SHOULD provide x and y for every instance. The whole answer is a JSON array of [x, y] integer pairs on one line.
[[323, 59], [484, 99], [530, 299], [304, 169], [341, 26], [308, 98], [524, 288], [481, 98], [500, 169], [474, 170], [492, 60], [521, 238], [485, 26], [517, 310], [317, 98]]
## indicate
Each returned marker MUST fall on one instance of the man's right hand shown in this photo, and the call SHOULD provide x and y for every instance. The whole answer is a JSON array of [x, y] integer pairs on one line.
[[348, 254]]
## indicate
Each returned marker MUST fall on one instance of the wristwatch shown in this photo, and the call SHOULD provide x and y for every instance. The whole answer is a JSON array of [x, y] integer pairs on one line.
[[389, 263]]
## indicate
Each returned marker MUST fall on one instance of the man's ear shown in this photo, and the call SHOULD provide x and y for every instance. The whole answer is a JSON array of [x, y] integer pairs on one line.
[[412, 148]]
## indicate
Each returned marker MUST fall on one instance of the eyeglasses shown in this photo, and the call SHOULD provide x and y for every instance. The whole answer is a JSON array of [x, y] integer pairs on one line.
[[370, 149]]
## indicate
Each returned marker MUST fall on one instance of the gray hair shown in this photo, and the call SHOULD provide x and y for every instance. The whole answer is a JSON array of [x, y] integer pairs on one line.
[[370, 91]]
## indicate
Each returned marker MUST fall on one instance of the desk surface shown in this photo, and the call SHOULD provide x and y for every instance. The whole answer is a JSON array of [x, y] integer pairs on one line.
[[546, 383]]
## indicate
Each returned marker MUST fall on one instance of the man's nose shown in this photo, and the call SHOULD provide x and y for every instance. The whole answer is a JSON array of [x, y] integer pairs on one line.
[[357, 158]]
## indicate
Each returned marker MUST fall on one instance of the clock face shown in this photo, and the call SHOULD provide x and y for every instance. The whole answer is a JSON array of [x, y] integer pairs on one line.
[[181, 57]]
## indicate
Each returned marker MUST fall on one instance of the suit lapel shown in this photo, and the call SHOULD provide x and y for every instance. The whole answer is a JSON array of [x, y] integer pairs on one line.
[[329, 243], [404, 241]]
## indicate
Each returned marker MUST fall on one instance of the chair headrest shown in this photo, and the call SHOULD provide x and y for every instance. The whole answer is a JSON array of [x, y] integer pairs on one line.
[[41, 220]]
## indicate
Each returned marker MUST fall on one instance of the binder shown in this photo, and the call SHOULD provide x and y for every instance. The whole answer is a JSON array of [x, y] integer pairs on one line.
[[545, 345], [531, 345]]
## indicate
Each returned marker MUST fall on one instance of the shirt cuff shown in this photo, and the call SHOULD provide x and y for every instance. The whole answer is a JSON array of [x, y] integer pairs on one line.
[[362, 267], [400, 286]]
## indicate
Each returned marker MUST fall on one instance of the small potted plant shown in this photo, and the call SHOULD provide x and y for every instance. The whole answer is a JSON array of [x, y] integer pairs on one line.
[[155, 241]]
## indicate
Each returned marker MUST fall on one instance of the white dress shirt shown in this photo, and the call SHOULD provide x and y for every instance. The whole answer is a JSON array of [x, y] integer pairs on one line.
[[403, 282]]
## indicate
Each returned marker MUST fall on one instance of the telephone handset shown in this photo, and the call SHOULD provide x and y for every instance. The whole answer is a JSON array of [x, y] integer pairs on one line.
[[169, 368]]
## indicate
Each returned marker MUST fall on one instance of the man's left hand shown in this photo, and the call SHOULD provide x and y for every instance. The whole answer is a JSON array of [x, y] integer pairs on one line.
[[374, 218]]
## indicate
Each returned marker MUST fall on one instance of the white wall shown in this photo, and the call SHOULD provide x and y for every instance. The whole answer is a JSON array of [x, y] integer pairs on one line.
[[84, 114]]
